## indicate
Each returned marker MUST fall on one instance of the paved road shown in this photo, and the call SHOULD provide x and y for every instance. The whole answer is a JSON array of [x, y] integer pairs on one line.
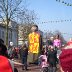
[[32, 68]]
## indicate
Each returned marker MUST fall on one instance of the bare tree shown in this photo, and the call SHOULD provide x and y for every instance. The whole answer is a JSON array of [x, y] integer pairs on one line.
[[25, 30], [8, 9], [57, 32], [27, 19]]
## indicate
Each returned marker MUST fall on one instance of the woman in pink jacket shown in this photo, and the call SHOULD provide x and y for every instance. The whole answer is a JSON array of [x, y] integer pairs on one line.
[[57, 42]]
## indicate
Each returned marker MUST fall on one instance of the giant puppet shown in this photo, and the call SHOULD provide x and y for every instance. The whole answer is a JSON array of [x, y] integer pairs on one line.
[[35, 44]]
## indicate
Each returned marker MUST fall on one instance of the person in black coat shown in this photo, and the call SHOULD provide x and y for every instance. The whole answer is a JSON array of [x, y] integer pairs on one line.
[[23, 55], [3, 49], [52, 59]]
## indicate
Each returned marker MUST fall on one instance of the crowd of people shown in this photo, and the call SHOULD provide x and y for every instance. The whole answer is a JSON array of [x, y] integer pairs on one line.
[[47, 59], [51, 55], [55, 57]]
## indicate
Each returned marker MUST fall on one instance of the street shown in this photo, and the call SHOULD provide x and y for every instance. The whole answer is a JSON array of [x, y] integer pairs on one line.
[[32, 68]]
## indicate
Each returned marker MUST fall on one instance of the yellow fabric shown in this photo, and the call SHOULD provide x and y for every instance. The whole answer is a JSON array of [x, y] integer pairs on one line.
[[34, 42]]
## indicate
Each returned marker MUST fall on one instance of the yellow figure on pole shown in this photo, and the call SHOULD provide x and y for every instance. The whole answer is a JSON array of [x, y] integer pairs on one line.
[[34, 42]]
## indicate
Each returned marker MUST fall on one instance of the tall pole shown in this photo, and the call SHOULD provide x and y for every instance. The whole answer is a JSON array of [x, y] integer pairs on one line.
[[11, 34], [17, 35], [7, 22], [17, 30]]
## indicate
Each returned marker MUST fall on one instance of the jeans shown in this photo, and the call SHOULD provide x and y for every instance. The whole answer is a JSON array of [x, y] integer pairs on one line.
[[52, 69], [24, 61], [15, 70], [45, 69]]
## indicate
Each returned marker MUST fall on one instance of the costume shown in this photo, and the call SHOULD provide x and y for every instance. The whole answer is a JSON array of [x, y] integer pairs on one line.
[[34, 44]]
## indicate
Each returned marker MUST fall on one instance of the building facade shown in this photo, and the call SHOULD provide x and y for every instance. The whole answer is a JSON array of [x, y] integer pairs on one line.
[[12, 33]]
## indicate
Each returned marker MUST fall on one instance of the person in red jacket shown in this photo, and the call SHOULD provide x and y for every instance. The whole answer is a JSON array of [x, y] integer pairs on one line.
[[66, 58], [6, 65], [4, 62]]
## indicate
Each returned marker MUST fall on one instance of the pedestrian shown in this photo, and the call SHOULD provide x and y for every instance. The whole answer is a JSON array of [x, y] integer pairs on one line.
[[3, 49], [24, 54], [57, 42], [43, 61], [52, 59], [6, 65], [15, 53], [69, 43], [65, 58], [4, 62]]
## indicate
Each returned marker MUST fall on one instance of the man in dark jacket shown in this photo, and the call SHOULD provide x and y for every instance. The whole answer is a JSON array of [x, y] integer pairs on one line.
[[52, 59], [3, 49], [23, 54]]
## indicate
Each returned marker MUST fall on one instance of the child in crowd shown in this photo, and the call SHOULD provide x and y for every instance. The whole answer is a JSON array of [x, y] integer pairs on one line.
[[43, 61]]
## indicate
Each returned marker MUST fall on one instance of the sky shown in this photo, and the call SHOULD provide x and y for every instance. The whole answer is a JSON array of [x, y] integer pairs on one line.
[[51, 10]]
